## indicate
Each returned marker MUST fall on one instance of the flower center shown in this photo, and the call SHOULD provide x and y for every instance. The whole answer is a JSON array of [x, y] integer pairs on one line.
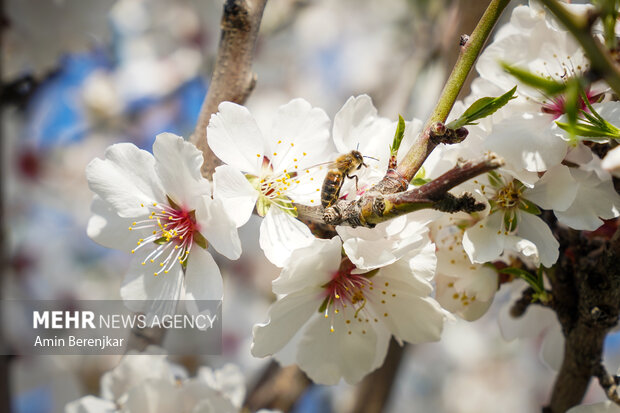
[[508, 197], [173, 231], [557, 105], [346, 289]]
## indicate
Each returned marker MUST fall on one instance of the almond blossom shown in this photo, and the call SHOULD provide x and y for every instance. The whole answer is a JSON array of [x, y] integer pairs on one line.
[[159, 208], [335, 320], [149, 383], [270, 169]]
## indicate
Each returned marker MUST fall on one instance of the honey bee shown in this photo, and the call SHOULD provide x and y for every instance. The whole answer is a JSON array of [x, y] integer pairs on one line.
[[343, 166]]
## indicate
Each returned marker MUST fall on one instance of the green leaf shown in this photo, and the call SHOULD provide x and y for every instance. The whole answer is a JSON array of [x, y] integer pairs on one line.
[[420, 181], [398, 136], [482, 108], [548, 86]]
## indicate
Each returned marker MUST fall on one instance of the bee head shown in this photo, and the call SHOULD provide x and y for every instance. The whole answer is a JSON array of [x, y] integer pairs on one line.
[[359, 158]]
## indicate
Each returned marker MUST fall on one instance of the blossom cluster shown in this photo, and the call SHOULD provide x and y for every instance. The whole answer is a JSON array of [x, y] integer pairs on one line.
[[343, 293]]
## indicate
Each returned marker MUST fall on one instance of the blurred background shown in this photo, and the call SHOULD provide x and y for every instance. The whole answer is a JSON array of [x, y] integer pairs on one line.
[[79, 75]]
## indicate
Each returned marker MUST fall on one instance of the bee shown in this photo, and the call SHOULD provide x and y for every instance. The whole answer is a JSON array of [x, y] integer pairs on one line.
[[343, 166]]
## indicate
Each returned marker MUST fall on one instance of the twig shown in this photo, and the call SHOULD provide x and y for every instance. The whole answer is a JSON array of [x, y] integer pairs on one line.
[[416, 156], [608, 383], [376, 206], [579, 26], [232, 78]]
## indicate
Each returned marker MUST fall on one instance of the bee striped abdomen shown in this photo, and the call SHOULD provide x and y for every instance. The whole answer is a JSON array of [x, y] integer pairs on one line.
[[331, 188]]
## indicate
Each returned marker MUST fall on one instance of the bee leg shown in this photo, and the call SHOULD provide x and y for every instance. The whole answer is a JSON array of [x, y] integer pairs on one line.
[[356, 180]]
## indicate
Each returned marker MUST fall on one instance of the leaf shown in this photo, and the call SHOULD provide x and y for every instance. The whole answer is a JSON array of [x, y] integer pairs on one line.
[[547, 86], [398, 136], [482, 108], [420, 181]]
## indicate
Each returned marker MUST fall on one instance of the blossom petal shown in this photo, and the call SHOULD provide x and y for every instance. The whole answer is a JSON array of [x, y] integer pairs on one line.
[[234, 136], [236, 193], [555, 190], [327, 357], [218, 228], [281, 234], [125, 179], [178, 166], [90, 404], [595, 198], [142, 291], [106, 228], [309, 266], [286, 317], [299, 136], [358, 125], [203, 280], [482, 243], [534, 229], [526, 141]]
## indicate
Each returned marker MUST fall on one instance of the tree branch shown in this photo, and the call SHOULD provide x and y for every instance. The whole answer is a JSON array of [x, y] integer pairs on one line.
[[602, 65], [278, 388], [232, 78], [608, 383], [586, 299], [416, 156], [374, 206]]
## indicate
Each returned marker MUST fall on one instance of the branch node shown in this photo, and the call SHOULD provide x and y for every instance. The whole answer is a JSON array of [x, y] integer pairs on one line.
[[439, 133], [463, 40]]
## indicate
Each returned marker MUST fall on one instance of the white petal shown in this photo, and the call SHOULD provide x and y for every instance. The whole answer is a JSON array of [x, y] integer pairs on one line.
[[203, 281], [555, 190], [105, 227], [536, 230], [410, 317], [357, 124], [178, 166], [90, 404], [143, 291], [611, 162], [326, 357], [286, 317], [527, 142], [281, 234], [299, 136], [235, 138], [482, 241], [313, 265], [154, 396], [595, 198], [236, 193], [552, 351], [125, 179], [218, 228]]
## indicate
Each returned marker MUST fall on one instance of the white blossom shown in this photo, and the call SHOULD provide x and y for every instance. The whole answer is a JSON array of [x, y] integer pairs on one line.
[[159, 208], [335, 320]]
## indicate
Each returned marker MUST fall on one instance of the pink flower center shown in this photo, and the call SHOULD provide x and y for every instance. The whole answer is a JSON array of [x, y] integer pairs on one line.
[[557, 105], [346, 290], [173, 231]]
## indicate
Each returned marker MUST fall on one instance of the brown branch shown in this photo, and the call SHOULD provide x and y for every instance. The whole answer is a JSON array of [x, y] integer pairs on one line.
[[278, 388], [374, 206], [586, 299], [374, 391], [608, 383], [232, 78]]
